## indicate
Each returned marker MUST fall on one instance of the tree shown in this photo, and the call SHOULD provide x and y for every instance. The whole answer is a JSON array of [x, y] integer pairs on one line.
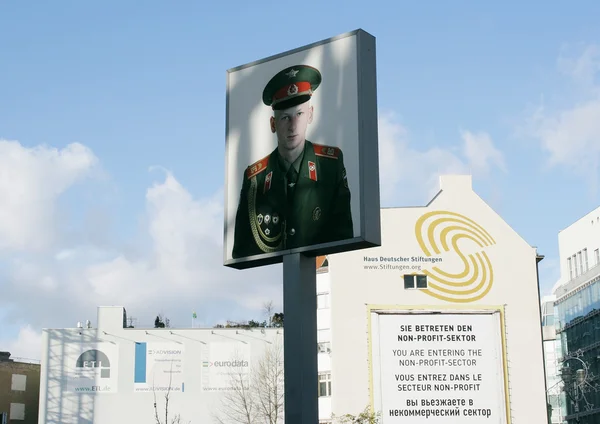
[[257, 396], [176, 418], [268, 307], [243, 325], [130, 322], [277, 320], [365, 417], [256, 324], [272, 320], [162, 322]]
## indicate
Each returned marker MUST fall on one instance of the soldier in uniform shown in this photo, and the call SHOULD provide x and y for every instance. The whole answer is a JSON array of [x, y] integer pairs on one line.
[[298, 195]]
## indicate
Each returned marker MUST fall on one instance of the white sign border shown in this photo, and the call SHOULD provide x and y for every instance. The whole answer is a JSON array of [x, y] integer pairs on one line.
[[373, 334]]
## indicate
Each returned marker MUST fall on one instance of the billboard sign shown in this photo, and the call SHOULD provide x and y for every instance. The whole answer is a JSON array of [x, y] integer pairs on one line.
[[302, 153], [92, 368], [438, 368], [158, 367], [444, 255], [225, 366]]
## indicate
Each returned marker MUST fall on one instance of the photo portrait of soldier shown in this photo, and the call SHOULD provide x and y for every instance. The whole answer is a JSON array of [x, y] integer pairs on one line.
[[298, 195]]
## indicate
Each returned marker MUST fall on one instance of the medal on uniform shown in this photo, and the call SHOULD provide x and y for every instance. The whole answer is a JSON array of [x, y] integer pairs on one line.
[[268, 179], [312, 171]]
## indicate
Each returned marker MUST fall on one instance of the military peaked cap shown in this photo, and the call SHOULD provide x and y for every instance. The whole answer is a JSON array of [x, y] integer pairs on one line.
[[291, 87]]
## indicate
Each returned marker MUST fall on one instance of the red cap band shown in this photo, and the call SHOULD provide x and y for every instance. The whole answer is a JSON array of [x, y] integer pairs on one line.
[[290, 90]]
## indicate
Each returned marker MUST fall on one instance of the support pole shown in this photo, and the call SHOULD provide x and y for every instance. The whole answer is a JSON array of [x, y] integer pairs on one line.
[[300, 339]]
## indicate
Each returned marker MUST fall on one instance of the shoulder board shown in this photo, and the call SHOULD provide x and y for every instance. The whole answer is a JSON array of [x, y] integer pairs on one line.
[[257, 167], [326, 151]]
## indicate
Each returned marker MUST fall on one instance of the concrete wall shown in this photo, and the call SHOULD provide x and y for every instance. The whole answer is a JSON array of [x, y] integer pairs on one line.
[[505, 278]]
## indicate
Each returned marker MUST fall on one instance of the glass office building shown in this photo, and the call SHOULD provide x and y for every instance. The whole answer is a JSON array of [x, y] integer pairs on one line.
[[578, 329], [552, 353]]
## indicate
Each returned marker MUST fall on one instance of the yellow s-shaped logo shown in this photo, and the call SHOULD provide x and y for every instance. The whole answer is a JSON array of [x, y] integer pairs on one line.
[[440, 231]]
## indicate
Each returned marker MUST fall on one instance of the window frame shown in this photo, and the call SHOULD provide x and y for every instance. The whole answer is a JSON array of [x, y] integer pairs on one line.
[[326, 381], [415, 281], [18, 381], [570, 264]]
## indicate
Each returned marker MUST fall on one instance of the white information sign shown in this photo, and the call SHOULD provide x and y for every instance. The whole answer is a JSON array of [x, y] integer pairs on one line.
[[225, 366], [439, 368], [159, 367]]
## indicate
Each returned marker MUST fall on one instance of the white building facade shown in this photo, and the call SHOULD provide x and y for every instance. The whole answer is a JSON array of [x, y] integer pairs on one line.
[[324, 338], [103, 374], [106, 373], [579, 249], [441, 324], [112, 374]]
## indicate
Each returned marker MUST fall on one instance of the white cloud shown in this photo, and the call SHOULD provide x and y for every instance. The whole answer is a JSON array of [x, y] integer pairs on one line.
[[27, 345], [176, 268], [185, 259], [481, 153], [582, 68], [31, 180], [411, 175], [571, 136], [570, 133]]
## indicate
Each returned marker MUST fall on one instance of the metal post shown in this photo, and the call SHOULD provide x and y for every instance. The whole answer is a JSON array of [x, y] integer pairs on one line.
[[300, 339]]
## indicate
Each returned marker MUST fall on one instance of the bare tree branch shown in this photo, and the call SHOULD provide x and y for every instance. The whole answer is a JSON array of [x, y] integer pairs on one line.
[[177, 417], [167, 394], [256, 397], [269, 307], [155, 407], [365, 417], [268, 384]]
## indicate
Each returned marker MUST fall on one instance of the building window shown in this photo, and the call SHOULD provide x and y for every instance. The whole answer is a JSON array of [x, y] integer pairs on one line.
[[585, 260], [580, 262], [570, 268], [415, 281], [324, 347], [323, 301], [324, 384], [597, 253], [17, 411], [575, 266], [19, 382]]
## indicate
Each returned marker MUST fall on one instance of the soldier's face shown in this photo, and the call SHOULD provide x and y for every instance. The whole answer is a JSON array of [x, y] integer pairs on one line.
[[290, 125]]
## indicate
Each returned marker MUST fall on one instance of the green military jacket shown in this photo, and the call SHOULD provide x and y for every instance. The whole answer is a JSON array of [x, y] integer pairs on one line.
[[319, 213]]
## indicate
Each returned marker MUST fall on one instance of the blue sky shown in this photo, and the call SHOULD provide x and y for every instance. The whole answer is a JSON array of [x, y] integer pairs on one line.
[[141, 89]]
